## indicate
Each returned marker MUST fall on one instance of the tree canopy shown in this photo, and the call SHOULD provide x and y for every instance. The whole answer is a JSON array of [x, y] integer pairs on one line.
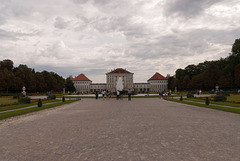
[[14, 78], [224, 73]]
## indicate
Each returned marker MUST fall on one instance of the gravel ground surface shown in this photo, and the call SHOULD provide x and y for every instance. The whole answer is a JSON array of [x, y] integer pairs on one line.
[[141, 129]]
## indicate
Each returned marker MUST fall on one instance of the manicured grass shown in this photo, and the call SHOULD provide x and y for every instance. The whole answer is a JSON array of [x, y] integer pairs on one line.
[[25, 111], [5, 108], [213, 102], [234, 97], [7, 100], [234, 110]]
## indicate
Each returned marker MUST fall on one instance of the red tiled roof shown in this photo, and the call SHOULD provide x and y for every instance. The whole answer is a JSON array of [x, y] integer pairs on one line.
[[158, 76], [81, 77], [119, 70]]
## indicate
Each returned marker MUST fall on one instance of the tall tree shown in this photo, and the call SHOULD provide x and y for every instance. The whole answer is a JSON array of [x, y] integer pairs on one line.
[[223, 82], [69, 86], [237, 75], [186, 81], [6, 64], [50, 80], [41, 85], [6, 79], [236, 47], [211, 76], [198, 81], [26, 76]]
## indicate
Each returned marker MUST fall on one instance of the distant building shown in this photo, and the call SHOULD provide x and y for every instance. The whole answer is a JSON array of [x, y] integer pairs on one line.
[[113, 76], [98, 87], [142, 87], [156, 82], [82, 83]]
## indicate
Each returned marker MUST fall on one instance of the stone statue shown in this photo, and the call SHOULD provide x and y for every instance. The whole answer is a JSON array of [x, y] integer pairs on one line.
[[24, 92]]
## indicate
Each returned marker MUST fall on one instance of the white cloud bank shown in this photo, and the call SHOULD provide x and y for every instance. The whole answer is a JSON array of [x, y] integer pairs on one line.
[[95, 36]]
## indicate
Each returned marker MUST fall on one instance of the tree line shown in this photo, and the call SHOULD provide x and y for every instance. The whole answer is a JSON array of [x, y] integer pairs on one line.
[[224, 73], [14, 78]]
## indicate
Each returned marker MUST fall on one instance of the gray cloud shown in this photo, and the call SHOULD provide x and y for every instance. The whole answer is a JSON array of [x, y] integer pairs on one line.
[[5, 35], [2, 20], [60, 23], [99, 35], [187, 8], [79, 1]]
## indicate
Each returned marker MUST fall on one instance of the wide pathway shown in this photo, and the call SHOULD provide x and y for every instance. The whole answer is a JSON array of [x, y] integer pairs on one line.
[[141, 129]]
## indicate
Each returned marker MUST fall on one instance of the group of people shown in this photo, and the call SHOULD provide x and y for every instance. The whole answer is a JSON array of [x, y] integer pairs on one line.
[[164, 92], [105, 93], [108, 94]]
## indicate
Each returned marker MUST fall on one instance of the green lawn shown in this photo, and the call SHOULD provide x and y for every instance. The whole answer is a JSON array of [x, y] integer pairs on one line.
[[234, 97], [5, 108], [213, 102], [7, 100], [234, 110], [24, 111]]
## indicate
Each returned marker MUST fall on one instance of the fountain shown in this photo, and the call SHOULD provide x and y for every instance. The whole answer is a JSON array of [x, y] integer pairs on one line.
[[119, 85]]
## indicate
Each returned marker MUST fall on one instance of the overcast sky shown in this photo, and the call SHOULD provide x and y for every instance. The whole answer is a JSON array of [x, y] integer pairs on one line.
[[71, 37]]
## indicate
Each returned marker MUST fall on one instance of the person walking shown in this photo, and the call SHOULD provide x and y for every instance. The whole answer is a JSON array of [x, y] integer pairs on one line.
[[107, 94], [160, 93], [129, 94], [118, 93], [103, 94], [96, 93]]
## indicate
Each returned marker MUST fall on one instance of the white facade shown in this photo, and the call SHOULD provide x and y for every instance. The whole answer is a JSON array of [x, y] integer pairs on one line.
[[112, 79], [141, 87], [155, 83], [98, 87], [82, 86]]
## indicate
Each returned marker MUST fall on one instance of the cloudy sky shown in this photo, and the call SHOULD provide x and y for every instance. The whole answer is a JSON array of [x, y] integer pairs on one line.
[[70, 37]]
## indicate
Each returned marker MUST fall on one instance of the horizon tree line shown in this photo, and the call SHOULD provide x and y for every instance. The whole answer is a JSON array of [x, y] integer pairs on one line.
[[224, 73], [14, 78]]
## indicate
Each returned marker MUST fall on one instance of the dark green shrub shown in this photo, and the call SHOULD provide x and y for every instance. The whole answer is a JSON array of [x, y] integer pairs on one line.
[[190, 95], [52, 97], [220, 98], [15, 96], [63, 99], [193, 92], [39, 103], [224, 94], [212, 92], [24, 100], [181, 98], [207, 102]]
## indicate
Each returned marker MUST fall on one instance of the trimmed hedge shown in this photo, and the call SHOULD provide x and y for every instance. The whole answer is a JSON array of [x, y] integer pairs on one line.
[[223, 93], [24, 100], [52, 97], [220, 98], [190, 95]]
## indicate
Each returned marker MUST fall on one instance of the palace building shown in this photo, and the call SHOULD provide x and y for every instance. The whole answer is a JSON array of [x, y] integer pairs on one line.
[[154, 84]]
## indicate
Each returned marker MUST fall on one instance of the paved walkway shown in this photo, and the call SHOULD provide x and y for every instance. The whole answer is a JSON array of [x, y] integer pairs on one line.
[[141, 129]]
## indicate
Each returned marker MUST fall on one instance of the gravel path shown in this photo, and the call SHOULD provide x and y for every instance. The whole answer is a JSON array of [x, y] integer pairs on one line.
[[141, 129]]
